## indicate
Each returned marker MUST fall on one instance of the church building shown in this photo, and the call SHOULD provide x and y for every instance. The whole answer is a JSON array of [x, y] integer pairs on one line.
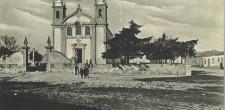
[[78, 34]]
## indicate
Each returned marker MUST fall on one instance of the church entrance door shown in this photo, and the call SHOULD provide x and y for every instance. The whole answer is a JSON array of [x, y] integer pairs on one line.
[[79, 55]]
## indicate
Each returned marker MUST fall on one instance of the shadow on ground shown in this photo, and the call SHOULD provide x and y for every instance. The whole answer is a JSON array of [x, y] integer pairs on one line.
[[198, 77], [111, 97], [28, 102], [165, 96], [12, 100]]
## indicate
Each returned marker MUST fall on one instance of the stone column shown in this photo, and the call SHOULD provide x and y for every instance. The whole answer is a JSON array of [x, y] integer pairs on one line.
[[188, 63], [74, 52], [33, 62], [83, 55], [49, 50], [25, 49], [93, 45]]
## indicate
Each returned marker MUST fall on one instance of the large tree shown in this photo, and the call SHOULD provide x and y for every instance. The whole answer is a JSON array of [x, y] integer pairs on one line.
[[8, 46], [125, 44], [187, 49], [162, 49], [167, 48]]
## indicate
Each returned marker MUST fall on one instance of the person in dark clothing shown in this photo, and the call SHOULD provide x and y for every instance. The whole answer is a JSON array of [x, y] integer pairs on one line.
[[76, 68], [82, 72], [86, 73], [221, 66], [86, 69], [90, 64], [86, 64]]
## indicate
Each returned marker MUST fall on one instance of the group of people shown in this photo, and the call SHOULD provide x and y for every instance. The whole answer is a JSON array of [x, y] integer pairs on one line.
[[83, 70]]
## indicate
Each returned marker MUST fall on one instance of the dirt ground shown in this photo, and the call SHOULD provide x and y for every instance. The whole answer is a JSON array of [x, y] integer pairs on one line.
[[66, 91]]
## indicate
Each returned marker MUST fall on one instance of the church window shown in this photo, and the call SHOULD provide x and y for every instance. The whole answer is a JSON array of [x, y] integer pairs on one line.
[[57, 14], [69, 31], [87, 30], [78, 28], [100, 13]]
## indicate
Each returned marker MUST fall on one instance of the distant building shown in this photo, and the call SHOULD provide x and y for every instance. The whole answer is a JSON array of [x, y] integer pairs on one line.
[[208, 59], [212, 60], [79, 35]]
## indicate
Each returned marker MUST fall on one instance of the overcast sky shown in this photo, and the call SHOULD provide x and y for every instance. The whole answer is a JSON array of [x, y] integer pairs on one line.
[[186, 19]]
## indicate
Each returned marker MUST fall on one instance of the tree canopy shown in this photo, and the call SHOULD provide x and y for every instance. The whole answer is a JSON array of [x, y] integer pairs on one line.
[[165, 48], [8, 46], [125, 44]]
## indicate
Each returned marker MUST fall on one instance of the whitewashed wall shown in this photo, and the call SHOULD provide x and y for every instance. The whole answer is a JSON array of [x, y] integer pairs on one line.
[[216, 62], [57, 43], [100, 46]]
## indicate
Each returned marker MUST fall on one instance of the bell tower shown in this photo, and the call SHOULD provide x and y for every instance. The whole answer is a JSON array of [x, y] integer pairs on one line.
[[101, 11], [101, 30], [59, 11]]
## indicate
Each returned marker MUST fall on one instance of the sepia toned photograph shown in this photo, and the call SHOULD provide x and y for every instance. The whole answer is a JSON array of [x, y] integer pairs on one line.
[[112, 55]]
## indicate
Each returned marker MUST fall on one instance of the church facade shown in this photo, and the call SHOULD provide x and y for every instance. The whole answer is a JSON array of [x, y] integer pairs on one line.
[[79, 35]]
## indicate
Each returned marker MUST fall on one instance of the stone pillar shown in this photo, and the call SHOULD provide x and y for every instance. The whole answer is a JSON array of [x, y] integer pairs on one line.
[[83, 55], [49, 50], [93, 45], [33, 62], [74, 53], [188, 70], [188, 63], [25, 49]]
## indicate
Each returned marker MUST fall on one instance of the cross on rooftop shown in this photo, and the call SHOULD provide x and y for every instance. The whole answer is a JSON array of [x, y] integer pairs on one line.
[[78, 3]]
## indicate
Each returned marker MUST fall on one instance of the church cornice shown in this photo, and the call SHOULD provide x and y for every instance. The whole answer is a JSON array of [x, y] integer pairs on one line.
[[104, 24], [82, 23], [58, 25]]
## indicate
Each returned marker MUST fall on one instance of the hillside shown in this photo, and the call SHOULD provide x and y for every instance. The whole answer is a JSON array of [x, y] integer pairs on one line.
[[210, 53]]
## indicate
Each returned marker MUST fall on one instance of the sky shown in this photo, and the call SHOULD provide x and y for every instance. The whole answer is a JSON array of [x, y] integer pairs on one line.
[[186, 19]]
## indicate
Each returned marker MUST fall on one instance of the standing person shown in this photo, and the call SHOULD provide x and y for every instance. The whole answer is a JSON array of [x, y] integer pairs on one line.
[[221, 65], [76, 68], [86, 64], [82, 71], [86, 69], [90, 64]]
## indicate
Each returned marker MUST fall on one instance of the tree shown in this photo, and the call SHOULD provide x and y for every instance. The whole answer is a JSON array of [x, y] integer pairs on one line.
[[165, 48], [37, 56], [162, 49], [187, 49], [125, 45], [8, 46]]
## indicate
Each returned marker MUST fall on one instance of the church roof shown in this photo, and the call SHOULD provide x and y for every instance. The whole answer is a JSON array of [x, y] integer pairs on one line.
[[78, 15]]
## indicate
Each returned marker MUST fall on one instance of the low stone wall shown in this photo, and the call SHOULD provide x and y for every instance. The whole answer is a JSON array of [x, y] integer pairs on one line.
[[61, 67], [11, 68], [148, 69], [164, 69]]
